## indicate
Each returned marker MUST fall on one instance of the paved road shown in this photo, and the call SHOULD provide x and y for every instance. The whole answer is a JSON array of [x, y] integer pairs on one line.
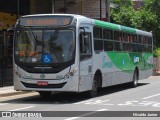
[[146, 97]]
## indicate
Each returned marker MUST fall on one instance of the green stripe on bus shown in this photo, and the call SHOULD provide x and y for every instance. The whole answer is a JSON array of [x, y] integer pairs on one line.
[[121, 60], [128, 29], [127, 61], [106, 25]]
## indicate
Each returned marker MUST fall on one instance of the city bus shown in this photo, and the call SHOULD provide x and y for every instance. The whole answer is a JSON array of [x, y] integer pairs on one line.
[[73, 53]]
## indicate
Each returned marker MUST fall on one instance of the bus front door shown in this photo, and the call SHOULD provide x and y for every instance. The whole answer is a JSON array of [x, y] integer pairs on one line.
[[85, 61]]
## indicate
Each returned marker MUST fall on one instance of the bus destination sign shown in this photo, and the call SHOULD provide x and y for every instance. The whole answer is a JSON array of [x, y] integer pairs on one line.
[[45, 21]]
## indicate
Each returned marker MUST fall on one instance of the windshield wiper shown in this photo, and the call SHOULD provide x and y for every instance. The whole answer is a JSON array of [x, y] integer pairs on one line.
[[53, 37], [35, 37]]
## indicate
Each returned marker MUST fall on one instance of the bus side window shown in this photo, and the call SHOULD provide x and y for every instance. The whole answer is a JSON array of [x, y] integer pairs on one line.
[[85, 43]]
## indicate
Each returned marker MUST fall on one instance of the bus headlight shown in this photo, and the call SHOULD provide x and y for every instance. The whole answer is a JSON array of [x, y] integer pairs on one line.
[[71, 73], [18, 74]]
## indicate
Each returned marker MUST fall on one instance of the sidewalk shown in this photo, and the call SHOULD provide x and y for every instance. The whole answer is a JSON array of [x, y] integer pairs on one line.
[[9, 91]]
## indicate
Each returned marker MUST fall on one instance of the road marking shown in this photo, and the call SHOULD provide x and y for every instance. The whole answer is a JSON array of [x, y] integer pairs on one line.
[[102, 110], [95, 102], [22, 108], [150, 96], [72, 118], [83, 115]]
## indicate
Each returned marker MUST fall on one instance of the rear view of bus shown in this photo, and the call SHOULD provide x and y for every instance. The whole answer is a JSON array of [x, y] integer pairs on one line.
[[44, 54]]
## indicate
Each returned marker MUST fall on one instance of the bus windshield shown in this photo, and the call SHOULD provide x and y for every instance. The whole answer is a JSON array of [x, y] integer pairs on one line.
[[44, 46]]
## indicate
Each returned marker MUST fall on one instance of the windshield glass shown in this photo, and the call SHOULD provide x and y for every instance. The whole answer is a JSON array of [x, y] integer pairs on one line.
[[44, 46]]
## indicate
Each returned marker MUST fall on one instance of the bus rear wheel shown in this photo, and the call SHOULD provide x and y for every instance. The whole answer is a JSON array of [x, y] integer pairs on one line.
[[93, 93], [45, 94], [134, 82]]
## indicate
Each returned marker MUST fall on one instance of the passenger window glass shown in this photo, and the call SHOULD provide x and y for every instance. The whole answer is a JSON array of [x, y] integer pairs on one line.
[[117, 46], [127, 47], [97, 32], [98, 45], [126, 37], [108, 46], [134, 48], [117, 36], [107, 34]]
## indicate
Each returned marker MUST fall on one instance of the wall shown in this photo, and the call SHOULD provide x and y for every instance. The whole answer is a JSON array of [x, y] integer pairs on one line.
[[40, 6], [89, 8]]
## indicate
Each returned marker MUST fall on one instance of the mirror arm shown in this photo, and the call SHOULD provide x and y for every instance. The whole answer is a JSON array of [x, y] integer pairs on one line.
[[83, 30], [11, 28]]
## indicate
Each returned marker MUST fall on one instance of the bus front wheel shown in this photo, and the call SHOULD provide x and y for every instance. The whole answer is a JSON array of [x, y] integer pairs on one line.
[[93, 93], [45, 94]]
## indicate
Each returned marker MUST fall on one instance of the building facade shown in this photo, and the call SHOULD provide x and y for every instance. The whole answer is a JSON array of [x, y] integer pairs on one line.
[[11, 10], [137, 4]]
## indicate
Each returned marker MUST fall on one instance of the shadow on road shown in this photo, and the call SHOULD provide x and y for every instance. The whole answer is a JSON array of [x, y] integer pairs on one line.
[[67, 98]]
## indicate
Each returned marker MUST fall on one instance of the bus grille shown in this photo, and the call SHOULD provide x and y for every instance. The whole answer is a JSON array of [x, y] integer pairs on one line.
[[28, 85]]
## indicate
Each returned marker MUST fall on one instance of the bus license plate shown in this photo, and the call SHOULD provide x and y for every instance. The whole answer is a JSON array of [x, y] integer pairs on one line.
[[42, 83]]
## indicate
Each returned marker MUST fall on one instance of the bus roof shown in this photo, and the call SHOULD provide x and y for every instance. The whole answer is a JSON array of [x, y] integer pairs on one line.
[[120, 28], [100, 23], [74, 15]]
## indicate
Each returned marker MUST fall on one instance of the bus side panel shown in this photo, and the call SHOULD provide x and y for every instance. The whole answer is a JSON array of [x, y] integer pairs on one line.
[[148, 66], [144, 74]]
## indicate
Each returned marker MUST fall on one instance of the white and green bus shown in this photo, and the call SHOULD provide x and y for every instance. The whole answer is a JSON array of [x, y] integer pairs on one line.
[[73, 53]]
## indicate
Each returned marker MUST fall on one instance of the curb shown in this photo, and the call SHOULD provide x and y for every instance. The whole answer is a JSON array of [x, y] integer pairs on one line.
[[13, 93], [156, 72]]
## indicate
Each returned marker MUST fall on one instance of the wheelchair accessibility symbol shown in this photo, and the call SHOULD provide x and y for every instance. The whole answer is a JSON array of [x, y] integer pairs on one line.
[[47, 58]]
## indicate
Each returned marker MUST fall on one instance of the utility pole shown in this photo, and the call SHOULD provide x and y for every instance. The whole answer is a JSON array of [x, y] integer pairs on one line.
[[100, 9], [65, 6], [108, 10], [17, 9]]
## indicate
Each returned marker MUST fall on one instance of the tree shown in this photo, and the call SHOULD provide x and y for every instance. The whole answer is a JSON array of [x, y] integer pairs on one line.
[[154, 7], [145, 18], [123, 12]]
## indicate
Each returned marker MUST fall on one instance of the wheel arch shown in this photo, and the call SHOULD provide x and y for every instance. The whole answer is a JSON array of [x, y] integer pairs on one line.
[[98, 77]]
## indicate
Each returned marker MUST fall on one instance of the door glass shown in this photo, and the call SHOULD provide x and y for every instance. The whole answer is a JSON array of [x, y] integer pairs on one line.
[[85, 43]]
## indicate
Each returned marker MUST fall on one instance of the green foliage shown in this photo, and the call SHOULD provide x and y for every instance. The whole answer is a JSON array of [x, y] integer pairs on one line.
[[124, 16], [146, 18], [154, 7], [156, 52], [123, 13]]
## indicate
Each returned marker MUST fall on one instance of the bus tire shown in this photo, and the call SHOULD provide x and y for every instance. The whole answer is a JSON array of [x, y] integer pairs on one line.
[[134, 82], [93, 93], [45, 94]]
